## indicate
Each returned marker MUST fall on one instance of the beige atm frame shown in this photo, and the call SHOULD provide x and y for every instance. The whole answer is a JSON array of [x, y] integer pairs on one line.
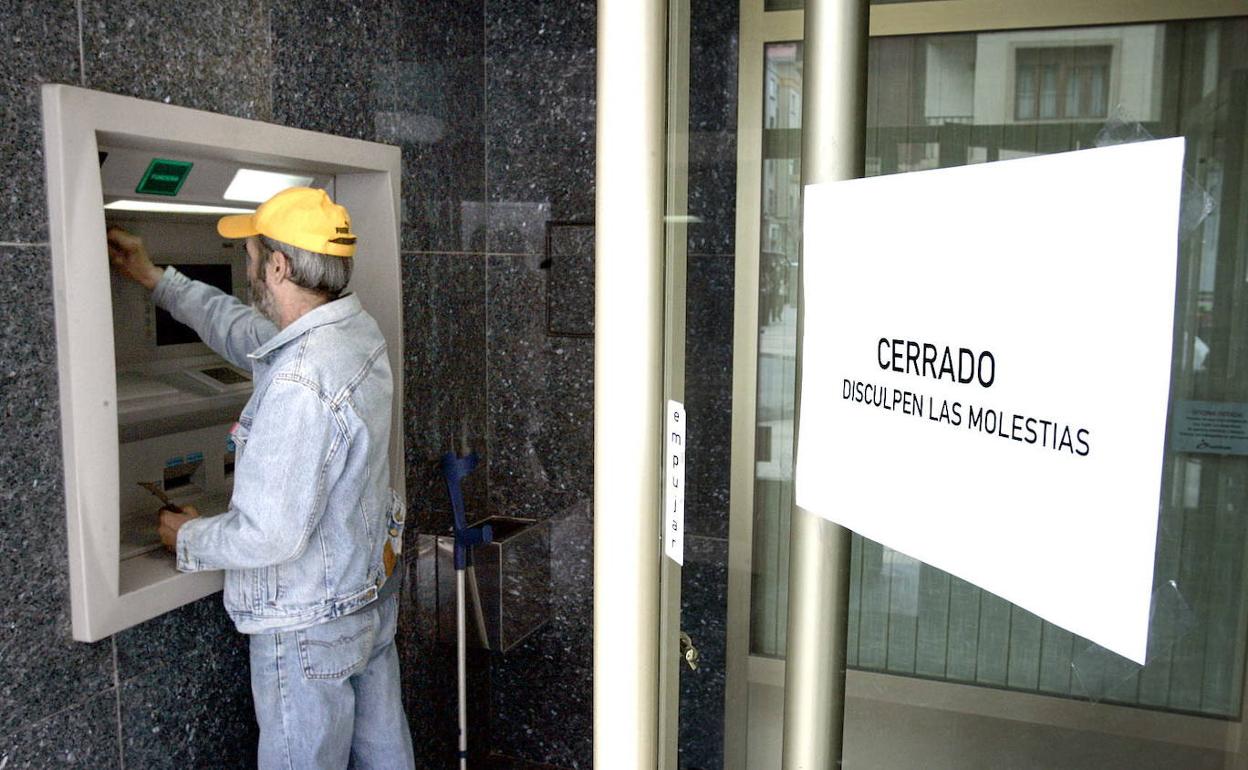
[[366, 180]]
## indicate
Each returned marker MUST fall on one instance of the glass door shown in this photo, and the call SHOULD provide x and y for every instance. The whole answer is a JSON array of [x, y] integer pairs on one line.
[[942, 674], [918, 636], [699, 338]]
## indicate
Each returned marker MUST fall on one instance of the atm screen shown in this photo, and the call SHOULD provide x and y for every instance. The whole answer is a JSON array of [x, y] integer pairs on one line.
[[171, 332]]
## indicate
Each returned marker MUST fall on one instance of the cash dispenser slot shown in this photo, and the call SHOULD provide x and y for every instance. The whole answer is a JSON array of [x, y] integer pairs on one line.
[[180, 472]]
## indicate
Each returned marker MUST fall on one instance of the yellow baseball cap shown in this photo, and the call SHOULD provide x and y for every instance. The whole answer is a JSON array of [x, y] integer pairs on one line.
[[301, 216]]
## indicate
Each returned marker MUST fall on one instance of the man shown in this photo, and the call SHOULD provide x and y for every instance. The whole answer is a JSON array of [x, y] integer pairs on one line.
[[313, 528]]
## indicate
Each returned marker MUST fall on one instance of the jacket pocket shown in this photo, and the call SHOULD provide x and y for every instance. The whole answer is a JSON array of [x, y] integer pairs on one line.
[[337, 648], [272, 584]]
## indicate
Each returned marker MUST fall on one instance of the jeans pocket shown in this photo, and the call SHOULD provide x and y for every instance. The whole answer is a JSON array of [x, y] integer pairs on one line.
[[337, 648]]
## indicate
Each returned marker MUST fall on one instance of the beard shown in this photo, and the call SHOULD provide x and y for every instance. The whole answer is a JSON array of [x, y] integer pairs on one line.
[[262, 300]]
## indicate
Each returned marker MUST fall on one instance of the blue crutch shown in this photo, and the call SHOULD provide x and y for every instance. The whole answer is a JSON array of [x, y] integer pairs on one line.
[[455, 469]]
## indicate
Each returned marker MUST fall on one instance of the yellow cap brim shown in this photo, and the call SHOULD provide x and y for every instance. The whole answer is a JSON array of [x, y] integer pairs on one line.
[[237, 226]]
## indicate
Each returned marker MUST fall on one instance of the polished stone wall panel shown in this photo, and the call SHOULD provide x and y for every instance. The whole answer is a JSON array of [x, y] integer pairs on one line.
[[503, 762], [194, 710], [444, 184], [712, 192], [539, 129], [713, 65], [44, 669], [41, 46], [708, 385], [80, 735], [427, 662], [537, 718], [570, 283], [713, 125], [444, 306], [539, 125], [180, 650], [208, 56], [196, 629], [434, 110], [708, 393], [543, 687], [427, 671], [704, 616], [541, 399], [326, 58]]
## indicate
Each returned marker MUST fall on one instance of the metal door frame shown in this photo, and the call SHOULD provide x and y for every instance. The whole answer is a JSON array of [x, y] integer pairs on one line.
[[628, 384]]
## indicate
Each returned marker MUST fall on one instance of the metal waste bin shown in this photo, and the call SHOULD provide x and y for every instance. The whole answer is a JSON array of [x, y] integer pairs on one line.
[[511, 596]]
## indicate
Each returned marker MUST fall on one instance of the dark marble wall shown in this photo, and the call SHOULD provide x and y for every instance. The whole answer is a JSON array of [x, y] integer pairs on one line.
[[504, 147], [539, 132], [708, 373], [174, 692], [493, 105]]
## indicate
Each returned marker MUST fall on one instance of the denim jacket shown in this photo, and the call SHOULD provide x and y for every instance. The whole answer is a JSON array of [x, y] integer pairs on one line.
[[312, 508]]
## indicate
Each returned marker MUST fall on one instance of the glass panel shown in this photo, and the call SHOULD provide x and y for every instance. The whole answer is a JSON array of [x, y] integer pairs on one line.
[[1098, 90], [1025, 92], [938, 101], [1075, 92], [780, 234], [1048, 91]]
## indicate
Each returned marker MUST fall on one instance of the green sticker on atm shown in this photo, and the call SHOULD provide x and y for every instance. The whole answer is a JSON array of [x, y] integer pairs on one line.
[[164, 177]]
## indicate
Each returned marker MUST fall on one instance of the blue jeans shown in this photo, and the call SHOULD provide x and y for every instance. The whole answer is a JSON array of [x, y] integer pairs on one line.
[[329, 695]]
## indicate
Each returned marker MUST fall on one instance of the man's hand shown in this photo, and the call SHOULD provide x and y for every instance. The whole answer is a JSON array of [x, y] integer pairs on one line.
[[129, 256], [171, 522]]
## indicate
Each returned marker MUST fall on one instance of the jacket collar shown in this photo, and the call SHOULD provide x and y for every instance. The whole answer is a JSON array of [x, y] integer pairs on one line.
[[329, 313]]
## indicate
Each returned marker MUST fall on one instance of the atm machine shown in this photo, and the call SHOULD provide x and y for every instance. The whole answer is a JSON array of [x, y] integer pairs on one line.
[[143, 399], [176, 399]]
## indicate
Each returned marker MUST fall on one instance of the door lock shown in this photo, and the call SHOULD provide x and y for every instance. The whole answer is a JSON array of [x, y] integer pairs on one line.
[[688, 651]]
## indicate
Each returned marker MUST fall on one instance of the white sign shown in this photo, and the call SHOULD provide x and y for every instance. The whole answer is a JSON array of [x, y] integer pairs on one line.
[[986, 368], [674, 484]]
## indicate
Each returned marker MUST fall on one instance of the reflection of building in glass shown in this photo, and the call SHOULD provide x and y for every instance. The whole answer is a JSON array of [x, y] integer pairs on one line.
[[1004, 95], [781, 204], [947, 100], [1071, 83]]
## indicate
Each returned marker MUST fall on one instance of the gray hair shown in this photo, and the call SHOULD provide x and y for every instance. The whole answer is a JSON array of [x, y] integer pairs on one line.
[[322, 273]]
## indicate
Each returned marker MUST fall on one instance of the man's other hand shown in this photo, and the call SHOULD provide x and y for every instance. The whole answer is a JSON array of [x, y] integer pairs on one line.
[[171, 522], [129, 257]]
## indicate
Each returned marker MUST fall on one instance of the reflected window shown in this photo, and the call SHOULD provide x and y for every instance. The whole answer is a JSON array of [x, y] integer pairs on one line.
[[1062, 83]]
